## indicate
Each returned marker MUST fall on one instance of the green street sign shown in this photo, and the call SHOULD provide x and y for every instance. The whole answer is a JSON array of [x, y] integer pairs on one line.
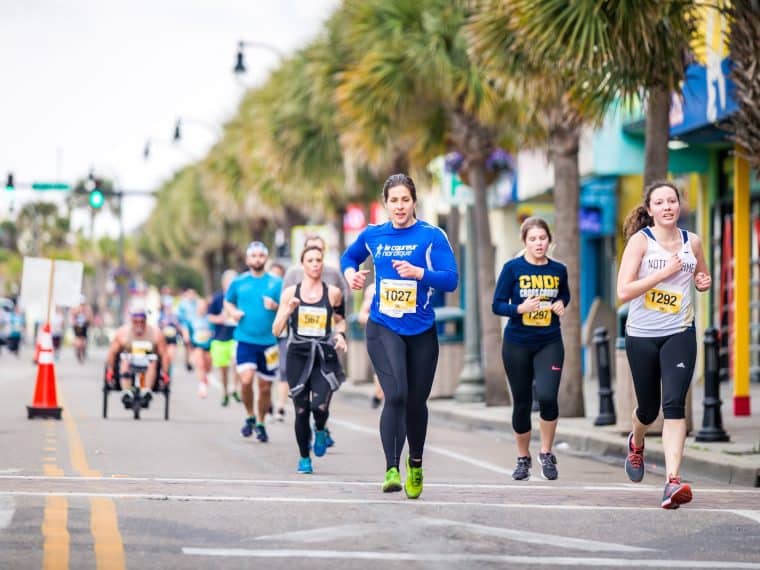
[[96, 199], [50, 186]]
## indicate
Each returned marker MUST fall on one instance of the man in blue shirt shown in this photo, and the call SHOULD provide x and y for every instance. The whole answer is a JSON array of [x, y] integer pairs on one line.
[[223, 343], [251, 301]]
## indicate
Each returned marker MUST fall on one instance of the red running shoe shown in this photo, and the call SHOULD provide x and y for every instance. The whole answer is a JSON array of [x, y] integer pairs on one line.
[[675, 494]]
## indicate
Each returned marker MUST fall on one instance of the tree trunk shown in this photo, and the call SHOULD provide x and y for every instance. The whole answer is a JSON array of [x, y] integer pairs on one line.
[[657, 134], [493, 368], [452, 230], [564, 144]]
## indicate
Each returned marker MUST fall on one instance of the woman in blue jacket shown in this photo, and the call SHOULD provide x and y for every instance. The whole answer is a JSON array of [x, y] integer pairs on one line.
[[411, 259]]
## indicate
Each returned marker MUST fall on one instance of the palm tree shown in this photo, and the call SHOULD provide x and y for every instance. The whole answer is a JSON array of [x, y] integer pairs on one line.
[[414, 87], [628, 48], [744, 45], [552, 116]]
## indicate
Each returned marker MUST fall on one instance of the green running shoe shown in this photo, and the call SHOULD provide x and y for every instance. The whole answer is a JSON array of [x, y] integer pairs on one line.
[[413, 485], [392, 483]]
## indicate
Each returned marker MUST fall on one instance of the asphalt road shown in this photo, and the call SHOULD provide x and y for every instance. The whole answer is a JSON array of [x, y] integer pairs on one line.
[[88, 492]]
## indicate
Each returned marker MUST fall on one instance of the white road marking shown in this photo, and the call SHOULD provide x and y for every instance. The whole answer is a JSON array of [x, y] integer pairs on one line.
[[754, 515], [432, 448], [325, 534], [538, 538], [464, 558], [320, 500], [314, 481], [7, 508]]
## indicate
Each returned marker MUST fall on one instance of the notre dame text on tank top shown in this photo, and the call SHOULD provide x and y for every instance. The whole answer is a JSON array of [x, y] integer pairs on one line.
[[666, 308], [312, 320]]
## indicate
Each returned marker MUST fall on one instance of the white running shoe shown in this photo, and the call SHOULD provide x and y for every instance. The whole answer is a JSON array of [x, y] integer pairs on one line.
[[202, 390]]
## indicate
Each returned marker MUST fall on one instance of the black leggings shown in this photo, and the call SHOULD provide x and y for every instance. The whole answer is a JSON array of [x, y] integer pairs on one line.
[[405, 366], [524, 364], [314, 399], [670, 358]]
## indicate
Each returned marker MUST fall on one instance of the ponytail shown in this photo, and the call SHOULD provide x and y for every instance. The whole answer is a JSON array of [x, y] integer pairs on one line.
[[637, 219]]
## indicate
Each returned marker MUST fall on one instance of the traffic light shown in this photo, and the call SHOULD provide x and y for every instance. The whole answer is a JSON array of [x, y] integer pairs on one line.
[[96, 198], [9, 182]]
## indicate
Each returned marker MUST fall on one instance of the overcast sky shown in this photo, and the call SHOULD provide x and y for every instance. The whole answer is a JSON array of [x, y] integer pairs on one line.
[[84, 83]]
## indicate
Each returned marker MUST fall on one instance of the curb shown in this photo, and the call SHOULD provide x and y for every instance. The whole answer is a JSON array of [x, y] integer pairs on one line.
[[582, 436]]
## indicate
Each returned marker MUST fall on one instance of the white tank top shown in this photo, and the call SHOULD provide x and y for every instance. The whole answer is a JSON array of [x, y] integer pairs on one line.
[[666, 308]]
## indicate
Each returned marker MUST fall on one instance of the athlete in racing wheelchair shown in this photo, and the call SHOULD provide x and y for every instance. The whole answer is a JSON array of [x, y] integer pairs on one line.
[[137, 364]]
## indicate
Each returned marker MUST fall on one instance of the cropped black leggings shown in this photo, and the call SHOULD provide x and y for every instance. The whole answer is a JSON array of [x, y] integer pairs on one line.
[[669, 359], [524, 364], [405, 366], [313, 400]]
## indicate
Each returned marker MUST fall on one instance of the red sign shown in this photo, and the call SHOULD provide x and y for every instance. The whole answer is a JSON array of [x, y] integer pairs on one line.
[[353, 219]]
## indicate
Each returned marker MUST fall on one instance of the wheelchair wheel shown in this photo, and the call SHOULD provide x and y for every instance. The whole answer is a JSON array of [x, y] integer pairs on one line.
[[136, 404], [167, 391], [105, 400]]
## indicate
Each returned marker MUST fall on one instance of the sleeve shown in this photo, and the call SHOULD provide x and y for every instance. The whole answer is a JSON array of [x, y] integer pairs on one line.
[[216, 306], [442, 271], [502, 294], [564, 290], [231, 296], [355, 254]]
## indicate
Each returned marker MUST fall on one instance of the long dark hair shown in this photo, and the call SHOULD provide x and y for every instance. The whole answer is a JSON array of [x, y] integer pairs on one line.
[[639, 217]]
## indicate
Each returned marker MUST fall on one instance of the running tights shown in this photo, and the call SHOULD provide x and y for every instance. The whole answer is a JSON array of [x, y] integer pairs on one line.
[[314, 399], [526, 364], [670, 358], [405, 366]]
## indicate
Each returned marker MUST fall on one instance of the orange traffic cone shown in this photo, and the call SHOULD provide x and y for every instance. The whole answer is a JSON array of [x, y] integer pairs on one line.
[[45, 404]]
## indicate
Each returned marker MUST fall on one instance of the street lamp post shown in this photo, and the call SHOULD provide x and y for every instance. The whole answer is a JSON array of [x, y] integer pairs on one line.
[[240, 67], [177, 134], [471, 380]]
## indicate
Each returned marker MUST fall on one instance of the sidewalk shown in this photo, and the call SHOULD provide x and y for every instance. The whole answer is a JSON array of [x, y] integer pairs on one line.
[[736, 462]]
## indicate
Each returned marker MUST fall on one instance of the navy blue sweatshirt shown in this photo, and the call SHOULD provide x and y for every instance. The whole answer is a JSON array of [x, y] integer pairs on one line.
[[518, 281]]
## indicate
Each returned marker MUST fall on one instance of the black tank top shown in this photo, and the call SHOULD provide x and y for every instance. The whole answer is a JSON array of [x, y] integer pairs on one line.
[[312, 320]]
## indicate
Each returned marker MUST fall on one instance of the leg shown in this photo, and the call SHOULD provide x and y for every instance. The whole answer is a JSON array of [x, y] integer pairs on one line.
[[547, 364], [518, 364], [387, 352], [265, 397], [421, 362], [677, 359], [301, 402], [246, 389], [644, 359]]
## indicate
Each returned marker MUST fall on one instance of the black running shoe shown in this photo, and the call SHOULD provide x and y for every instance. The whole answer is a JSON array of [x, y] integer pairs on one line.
[[522, 469], [634, 463], [675, 493], [261, 433], [548, 466]]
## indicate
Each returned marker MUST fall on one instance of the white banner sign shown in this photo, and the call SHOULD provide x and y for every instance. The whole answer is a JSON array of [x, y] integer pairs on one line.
[[36, 282]]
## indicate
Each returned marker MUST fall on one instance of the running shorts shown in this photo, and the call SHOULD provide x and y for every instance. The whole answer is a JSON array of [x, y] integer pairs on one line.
[[222, 353], [264, 359]]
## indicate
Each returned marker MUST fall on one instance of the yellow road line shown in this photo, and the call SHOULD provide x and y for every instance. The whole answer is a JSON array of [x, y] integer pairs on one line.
[[104, 521], [52, 470], [55, 554]]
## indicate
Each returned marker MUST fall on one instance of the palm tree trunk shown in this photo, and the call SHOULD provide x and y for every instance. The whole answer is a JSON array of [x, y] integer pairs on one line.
[[493, 369], [657, 134], [564, 144]]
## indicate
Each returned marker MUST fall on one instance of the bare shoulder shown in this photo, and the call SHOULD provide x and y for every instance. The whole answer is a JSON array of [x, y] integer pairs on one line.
[[334, 293]]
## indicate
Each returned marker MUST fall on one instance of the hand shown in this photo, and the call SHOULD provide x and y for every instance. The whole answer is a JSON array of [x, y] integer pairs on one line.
[[703, 281], [673, 265], [109, 375], [293, 304], [165, 377], [558, 308], [357, 279], [406, 269], [236, 315], [530, 305], [340, 342], [269, 303]]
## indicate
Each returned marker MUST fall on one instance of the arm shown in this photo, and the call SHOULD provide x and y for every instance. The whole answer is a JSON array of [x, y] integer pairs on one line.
[[369, 295], [230, 303], [288, 304], [350, 261], [216, 313], [702, 278], [502, 294], [113, 350], [442, 273], [564, 290], [339, 323], [163, 352], [628, 286]]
